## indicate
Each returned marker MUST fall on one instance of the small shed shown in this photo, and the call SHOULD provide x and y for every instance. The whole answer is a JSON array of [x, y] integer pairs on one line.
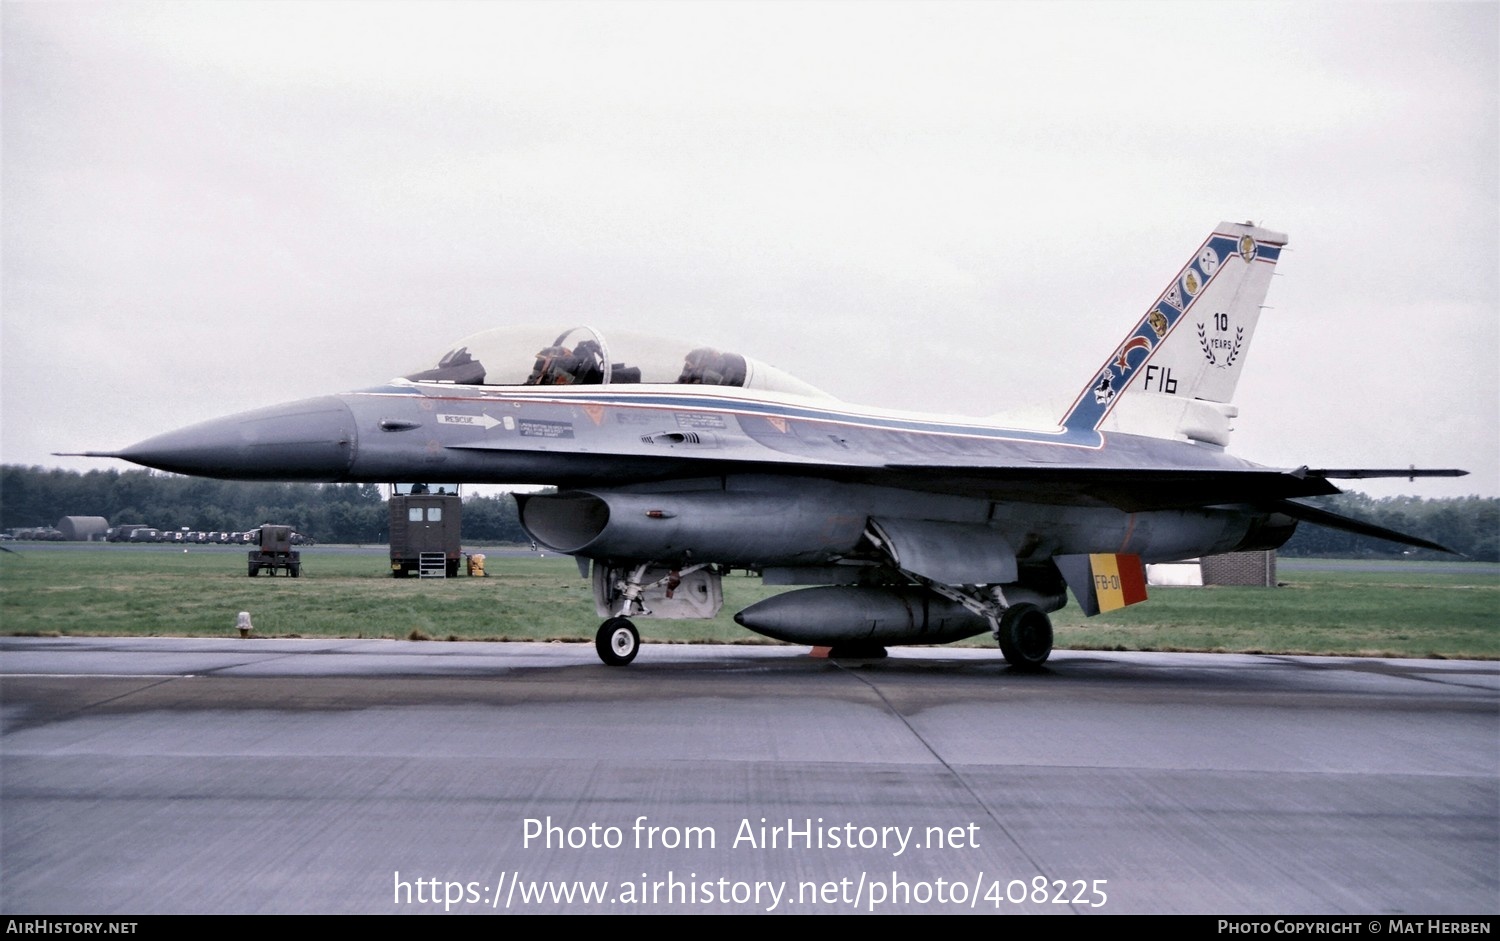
[[1255, 568]]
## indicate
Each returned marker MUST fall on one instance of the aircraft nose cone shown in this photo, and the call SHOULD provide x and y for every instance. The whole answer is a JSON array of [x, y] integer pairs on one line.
[[309, 440]]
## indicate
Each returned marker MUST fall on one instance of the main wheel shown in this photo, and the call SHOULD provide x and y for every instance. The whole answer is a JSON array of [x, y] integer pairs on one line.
[[253, 569], [1025, 636], [617, 642]]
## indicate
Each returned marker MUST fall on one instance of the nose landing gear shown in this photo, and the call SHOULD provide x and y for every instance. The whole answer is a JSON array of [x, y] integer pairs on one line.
[[617, 642]]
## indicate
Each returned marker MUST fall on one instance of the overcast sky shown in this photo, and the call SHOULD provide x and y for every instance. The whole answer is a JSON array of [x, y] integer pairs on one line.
[[209, 207]]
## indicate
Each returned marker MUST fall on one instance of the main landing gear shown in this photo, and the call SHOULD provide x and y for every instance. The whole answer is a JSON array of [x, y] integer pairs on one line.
[[1023, 629], [1025, 636]]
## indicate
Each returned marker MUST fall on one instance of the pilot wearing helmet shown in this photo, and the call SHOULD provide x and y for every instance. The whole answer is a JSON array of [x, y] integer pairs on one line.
[[560, 366]]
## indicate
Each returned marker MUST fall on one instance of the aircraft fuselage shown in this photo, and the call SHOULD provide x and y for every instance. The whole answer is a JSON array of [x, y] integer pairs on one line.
[[748, 479]]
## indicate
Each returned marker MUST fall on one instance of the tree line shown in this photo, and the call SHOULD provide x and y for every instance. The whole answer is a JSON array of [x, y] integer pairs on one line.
[[352, 513], [35, 496]]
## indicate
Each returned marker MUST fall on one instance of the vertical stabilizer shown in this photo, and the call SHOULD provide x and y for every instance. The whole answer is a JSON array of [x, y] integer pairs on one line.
[[1174, 374]]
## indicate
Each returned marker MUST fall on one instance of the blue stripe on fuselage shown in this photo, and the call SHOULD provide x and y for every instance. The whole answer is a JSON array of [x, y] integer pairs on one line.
[[600, 396]]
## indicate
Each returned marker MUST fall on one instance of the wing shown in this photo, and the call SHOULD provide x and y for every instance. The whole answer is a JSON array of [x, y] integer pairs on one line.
[[1135, 490]]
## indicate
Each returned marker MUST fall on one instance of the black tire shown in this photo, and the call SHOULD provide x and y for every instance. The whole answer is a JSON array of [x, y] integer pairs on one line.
[[253, 569], [617, 642], [452, 568], [1025, 637], [295, 569]]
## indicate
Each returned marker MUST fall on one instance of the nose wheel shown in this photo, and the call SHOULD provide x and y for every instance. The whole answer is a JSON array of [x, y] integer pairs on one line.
[[617, 642]]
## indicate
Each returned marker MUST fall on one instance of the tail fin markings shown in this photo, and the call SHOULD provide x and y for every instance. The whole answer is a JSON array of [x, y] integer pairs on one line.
[[1174, 375]]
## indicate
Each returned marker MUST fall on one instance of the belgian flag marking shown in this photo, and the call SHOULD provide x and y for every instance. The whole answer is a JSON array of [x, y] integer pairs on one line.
[[1119, 580]]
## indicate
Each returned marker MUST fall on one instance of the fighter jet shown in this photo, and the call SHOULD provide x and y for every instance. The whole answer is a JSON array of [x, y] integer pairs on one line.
[[676, 463]]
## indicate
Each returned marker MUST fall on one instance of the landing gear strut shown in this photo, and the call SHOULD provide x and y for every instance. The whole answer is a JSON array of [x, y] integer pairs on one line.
[[1022, 628], [617, 642], [1025, 635]]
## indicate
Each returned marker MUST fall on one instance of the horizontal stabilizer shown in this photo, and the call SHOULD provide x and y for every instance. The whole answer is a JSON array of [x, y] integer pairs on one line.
[[1348, 524]]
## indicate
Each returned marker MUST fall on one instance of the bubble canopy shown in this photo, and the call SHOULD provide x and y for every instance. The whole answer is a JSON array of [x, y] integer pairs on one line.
[[547, 356]]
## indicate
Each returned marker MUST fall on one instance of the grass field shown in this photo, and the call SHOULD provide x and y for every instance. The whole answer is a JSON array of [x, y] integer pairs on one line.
[[123, 591]]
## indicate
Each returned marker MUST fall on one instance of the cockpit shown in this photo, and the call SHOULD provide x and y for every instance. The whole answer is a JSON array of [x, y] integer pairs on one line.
[[538, 356]]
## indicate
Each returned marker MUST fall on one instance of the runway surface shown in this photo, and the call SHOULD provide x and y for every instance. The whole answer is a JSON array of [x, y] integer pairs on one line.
[[174, 775]]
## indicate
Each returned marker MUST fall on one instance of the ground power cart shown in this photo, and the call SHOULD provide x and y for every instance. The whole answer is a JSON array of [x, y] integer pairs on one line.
[[275, 552]]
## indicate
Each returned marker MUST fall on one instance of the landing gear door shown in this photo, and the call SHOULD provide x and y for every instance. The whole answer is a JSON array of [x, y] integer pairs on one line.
[[697, 594], [950, 553]]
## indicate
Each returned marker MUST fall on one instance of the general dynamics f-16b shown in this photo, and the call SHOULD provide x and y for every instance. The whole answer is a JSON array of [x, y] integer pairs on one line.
[[677, 462]]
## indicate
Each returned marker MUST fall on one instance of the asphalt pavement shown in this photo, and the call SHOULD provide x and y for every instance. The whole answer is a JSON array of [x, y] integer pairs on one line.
[[206, 775]]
